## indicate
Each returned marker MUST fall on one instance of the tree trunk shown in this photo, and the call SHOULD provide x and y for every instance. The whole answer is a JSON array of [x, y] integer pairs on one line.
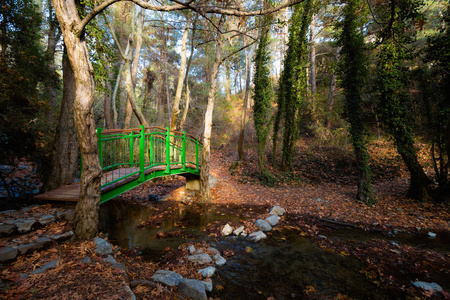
[[205, 193], [248, 72], [53, 37], [332, 90], [64, 161], [313, 56], [86, 211], [176, 101], [107, 106]]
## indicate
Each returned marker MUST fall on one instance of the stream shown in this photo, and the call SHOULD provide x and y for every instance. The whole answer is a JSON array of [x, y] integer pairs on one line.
[[282, 266]]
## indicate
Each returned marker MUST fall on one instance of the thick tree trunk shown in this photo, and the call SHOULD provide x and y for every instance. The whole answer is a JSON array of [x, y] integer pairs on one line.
[[86, 211], [176, 101], [64, 161], [205, 193]]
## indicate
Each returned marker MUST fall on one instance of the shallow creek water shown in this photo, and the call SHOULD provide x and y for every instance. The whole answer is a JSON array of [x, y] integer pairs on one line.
[[282, 266]]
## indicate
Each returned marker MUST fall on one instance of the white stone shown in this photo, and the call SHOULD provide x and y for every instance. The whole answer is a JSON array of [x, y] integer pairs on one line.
[[208, 271], [238, 231], [201, 258], [257, 236], [219, 260], [264, 225], [277, 210], [191, 249], [272, 220], [430, 286], [227, 230]]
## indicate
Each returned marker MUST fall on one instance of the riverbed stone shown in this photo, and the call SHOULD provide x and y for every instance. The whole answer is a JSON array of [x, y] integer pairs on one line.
[[47, 219], [128, 290], [430, 286], [272, 220], [208, 284], [192, 288], [277, 210], [208, 271], [219, 260], [191, 249], [257, 236], [47, 266], [63, 236], [8, 253], [227, 230], [24, 225], [6, 229], [201, 258], [264, 225], [238, 230], [213, 250], [103, 247], [168, 278], [111, 260]]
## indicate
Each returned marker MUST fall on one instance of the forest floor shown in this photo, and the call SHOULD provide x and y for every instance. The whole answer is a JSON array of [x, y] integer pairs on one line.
[[319, 197]]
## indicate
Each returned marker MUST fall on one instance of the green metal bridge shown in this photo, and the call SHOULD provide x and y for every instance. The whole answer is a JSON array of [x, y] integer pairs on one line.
[[130, 157]]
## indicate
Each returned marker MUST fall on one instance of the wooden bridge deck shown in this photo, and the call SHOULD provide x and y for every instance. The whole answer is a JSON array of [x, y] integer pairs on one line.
[[71, 192]]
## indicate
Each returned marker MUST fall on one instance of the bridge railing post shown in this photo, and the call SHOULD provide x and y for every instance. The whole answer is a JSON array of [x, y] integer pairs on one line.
[[183, 152], [167, 150], [142, 153], [131, 152], [100, 145], [196, 154]]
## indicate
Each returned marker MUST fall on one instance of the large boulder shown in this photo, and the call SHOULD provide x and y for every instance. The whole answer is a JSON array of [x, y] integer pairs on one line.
[[193, 288], [168, 278]]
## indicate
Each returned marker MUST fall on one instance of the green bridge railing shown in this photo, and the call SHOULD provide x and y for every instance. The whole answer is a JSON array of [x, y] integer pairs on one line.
[[130, 157]]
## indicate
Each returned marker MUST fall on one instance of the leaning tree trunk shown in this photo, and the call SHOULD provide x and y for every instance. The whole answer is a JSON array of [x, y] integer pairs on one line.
[[205, 193], [64, 160], [86, 211]]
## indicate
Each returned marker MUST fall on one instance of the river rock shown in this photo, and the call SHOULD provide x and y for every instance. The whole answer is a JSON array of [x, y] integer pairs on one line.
[[6, 229], [432, 234], [201, 258], [103, 247], [272, 220], [227, 230], [36, 245], [257, 236], [62, 237], [47, 219], [277, 210], [192, 288], [219, 260], [168, 278], [47, 266], [127, 289], [264, 225], [430, 286], [8, 253], [238, 231], [111, 260], [208, 284], [208, 271], [24, 225], [213, 250], [191, 249]]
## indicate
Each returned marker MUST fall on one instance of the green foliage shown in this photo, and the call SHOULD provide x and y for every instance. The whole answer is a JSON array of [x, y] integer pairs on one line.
[[23, 72], [293, 82], [353, 71]]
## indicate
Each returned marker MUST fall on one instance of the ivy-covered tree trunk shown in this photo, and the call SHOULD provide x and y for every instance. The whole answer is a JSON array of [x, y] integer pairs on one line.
[[262, 97], [354, 74], [394, 110]]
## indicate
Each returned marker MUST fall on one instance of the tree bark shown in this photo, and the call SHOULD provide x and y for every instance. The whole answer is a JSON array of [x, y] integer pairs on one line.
[[64, 160], [205, 193], [86, 211], [332, 90], [107, 104], [313, 55], [176, 101]]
